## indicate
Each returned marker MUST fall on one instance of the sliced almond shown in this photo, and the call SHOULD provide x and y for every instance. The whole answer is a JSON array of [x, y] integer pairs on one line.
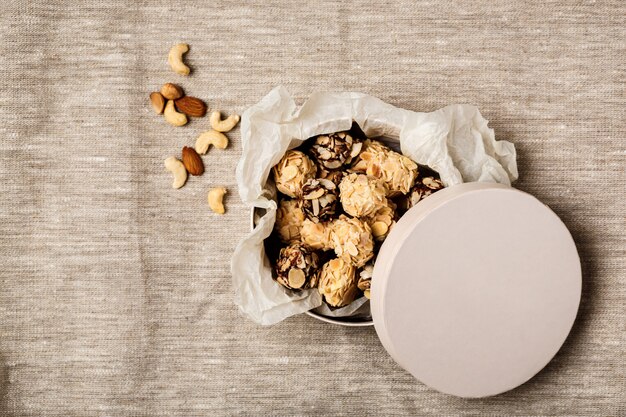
[[430, 182], [289, 172], [351, 248], [332, 164], [296, 278], [379, 229], [328, 184], [356, 148], [366, 156], [324, 154], [335, 264], [373, 170], [316, 207], [314, 195]]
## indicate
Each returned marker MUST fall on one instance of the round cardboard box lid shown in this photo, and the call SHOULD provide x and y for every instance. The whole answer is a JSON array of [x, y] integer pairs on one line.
[[475, 289]]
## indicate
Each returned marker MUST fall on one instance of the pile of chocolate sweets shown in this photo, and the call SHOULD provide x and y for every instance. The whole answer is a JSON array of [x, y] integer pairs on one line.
[[340, 195]]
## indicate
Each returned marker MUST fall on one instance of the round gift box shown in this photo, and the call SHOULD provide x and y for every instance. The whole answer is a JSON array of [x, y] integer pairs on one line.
[[475, 289]]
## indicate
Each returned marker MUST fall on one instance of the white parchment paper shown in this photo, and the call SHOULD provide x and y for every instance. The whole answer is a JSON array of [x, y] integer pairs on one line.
[[454, 141]]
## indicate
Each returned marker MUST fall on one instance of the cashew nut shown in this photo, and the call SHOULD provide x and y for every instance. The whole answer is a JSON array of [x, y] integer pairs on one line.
[[172, 116], [211, 137], [225, 125], [216, 195], [177, 169], [175, 58]]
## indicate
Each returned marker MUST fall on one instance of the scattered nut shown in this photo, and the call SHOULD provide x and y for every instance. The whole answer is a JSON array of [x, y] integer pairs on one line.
[[192, 161], [157, 101], [178, 170], [175, 58], [191, 106], [171, 91], [172, 116], [210, 137], [216, 195], [225, 125]]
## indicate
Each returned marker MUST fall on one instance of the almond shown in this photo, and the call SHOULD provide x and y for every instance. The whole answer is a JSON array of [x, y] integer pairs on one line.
[[157, 101], [191, 106], [171, 91], [192, 161]]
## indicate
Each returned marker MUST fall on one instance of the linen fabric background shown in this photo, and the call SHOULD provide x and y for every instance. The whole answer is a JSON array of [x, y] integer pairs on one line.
[[115, 290]]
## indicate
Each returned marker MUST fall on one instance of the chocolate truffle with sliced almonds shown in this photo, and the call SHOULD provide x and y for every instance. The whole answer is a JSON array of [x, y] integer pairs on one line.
[[289, 219], [352, 240], [297, 267], [316, 235], [337, 282], [319, 199], [397, 171], [292, 171], [362, 195], [335, 149], [335, 175], [424, 186]]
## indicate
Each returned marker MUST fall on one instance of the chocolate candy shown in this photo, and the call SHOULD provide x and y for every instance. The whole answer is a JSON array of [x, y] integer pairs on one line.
[[319, 199], [333, 150], [397, 171], [352, 240], [289, 218], [292, 172], [297, 267], [338, 282], [362, 195]]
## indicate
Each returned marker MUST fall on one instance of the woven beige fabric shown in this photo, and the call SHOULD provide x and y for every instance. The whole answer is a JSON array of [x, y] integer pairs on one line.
[[115, 294]]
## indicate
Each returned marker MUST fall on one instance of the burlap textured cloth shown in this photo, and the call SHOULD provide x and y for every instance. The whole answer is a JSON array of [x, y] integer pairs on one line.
[[115, 295]]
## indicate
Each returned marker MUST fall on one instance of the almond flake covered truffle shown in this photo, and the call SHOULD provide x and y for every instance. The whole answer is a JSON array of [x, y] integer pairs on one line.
[[333, 150], [292, 171], [319, 199], [338, 282], [382, 221], [289, 218], [297, 267], [362, 195], [316, 235], [352, 240], [378, 161]]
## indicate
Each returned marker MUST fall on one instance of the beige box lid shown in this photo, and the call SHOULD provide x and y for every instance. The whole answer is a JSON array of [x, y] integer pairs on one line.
[[475, 289]]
